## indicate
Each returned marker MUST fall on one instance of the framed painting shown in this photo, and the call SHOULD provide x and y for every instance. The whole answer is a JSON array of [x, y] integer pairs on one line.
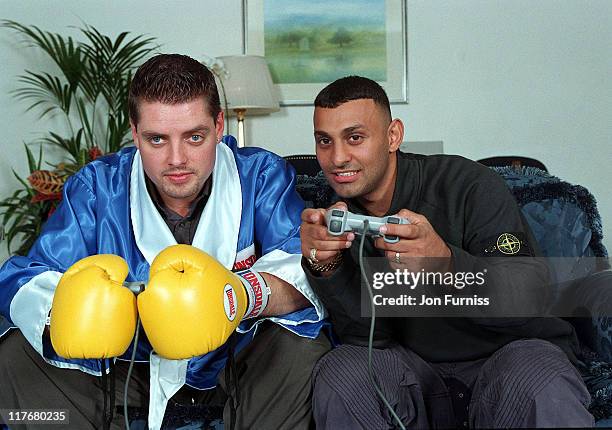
[[310, 43]]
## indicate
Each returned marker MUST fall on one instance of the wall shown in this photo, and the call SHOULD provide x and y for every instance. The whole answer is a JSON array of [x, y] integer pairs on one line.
[[487, 77]]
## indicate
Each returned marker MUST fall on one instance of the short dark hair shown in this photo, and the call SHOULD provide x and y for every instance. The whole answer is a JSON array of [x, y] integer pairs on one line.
[[172, 79], [352, 88]]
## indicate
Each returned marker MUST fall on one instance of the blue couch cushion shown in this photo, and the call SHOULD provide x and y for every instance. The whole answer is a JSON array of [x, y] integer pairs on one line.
[[563, 217]]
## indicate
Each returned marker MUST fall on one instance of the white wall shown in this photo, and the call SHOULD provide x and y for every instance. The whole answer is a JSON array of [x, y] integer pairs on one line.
[[488, 77]]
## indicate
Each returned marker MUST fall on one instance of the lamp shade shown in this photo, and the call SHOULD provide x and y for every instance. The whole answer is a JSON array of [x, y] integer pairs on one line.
[[247, 84]]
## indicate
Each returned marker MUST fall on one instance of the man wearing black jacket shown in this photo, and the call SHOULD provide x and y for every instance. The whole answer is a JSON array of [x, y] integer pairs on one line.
[[434, 371]]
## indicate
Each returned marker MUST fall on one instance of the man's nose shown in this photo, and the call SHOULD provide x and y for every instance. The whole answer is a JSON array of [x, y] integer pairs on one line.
[[340, 155], [177, 156]]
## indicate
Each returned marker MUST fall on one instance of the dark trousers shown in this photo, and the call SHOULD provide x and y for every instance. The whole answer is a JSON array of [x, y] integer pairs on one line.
[[274, 384], [526, 383]]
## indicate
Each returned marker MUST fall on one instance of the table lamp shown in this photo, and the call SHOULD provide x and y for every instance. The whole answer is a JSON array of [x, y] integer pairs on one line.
[[248, 87]]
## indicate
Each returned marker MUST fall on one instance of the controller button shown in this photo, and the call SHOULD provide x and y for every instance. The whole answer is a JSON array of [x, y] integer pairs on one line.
[[336, 212], [393, 220], [335, 226]]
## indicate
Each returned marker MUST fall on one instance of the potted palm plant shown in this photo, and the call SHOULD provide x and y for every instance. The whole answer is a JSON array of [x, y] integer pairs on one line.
[[90, 93]]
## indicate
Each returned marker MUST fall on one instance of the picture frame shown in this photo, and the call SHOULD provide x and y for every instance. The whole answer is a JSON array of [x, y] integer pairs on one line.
[[309, 44]]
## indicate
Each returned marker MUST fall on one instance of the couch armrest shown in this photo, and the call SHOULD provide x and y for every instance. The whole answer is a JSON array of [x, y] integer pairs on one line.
[[593, 298]]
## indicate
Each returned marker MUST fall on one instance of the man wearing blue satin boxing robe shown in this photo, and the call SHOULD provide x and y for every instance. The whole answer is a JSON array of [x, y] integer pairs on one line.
[[182, 183]]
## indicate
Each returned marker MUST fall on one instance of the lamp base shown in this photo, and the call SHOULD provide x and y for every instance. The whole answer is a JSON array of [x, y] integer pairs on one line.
[[240, 117]]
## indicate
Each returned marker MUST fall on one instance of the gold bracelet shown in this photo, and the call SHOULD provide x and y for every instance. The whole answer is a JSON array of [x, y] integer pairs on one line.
[[316, 267]]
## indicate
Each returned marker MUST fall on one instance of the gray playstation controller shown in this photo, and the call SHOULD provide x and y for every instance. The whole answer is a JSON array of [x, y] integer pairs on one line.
[[340, 221]]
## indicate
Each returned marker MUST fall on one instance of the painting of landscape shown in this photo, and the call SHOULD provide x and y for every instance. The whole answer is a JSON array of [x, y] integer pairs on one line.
[[318, 41]]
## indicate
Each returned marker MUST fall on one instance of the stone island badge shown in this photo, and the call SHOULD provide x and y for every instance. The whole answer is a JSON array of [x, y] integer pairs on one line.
[[508, 244]]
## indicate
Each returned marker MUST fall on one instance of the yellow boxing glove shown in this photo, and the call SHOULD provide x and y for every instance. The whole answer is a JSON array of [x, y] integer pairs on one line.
[[192, 303], [93, 314]]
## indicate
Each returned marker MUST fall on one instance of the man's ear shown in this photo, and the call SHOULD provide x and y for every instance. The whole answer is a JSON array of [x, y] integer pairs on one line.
[[395, 134], [134, 135], [219, 125]]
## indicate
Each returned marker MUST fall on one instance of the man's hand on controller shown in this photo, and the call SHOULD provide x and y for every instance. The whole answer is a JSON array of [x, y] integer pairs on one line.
[[418, 240], [318, 246]]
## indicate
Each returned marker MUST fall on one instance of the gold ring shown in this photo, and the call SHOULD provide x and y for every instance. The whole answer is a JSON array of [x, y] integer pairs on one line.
[[397, 258], [313, 255]]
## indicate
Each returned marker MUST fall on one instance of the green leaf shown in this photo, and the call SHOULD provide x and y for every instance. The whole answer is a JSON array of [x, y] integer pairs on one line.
[[72, 145], [44, 88], [83, 157], [40, 157], [62, 51], [87, 124], [24, 183], [32, 163]]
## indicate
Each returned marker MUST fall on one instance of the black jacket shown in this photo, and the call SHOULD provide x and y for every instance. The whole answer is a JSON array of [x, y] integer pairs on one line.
[[469, 206]]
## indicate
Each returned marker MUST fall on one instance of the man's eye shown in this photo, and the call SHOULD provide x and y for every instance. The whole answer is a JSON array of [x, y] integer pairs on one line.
[[323, 141], [196, 138], [355, 138], [155, 140]]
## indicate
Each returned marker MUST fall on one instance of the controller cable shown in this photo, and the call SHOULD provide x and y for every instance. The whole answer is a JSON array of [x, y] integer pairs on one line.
[[372, 324], [129, 375], [108, 378], [136, 288]]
